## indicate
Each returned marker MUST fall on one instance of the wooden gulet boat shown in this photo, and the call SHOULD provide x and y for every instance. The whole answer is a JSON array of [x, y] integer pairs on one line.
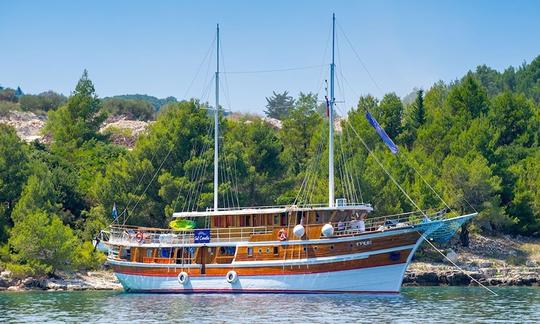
[[333, 248]]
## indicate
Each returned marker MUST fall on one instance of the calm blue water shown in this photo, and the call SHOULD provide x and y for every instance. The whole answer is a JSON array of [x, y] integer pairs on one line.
[[434, 304]]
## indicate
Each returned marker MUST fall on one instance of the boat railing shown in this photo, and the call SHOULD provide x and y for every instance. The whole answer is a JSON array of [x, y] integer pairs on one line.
[[145, 235], [386, 222]]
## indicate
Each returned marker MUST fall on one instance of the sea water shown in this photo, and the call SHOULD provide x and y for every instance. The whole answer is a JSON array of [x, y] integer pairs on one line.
[[423, 304]]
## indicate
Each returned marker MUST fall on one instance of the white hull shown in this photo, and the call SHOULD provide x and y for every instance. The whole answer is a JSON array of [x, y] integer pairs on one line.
[[383, 279]]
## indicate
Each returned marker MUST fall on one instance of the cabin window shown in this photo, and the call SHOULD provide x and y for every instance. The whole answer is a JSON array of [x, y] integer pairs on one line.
[[126, 254], [276, 250], [149, 253], [267, 250], [276, 219], [283, 219], [229, 250], [317, 217], [250, 251], [299, 217], [248, 220]]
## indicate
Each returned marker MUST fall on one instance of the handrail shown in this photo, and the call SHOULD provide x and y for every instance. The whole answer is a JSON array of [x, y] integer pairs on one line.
[[121, 234]]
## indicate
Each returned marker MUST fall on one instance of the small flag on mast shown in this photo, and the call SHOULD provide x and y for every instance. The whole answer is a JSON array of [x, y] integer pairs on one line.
[[327, 106], [382, 133], [114, 212]]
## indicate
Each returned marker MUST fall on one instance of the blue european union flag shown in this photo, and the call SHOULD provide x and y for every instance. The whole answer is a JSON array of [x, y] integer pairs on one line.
[[382, 133]]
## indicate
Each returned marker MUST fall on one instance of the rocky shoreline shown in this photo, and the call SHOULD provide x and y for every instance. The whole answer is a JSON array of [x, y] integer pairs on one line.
[[92, 280], [426, 274]]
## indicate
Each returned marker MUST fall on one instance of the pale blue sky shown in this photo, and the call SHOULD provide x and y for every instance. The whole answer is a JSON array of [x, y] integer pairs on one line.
[[155, 47]]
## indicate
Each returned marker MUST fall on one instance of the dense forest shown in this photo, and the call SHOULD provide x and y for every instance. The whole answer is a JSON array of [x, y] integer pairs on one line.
[[474, 141]]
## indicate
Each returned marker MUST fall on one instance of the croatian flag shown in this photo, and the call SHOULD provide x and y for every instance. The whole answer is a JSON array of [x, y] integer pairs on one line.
[[382, 133], [114, 212]]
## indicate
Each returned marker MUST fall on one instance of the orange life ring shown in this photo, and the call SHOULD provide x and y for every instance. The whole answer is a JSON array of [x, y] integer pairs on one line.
[[139, 236], [282, 235]]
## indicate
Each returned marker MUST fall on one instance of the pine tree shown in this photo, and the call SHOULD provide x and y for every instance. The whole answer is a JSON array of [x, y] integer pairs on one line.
[[279, 105]]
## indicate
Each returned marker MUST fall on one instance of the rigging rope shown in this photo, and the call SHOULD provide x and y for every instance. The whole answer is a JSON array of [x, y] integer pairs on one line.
[[148, 186], [455, 265], [276, 70], [385, 170]]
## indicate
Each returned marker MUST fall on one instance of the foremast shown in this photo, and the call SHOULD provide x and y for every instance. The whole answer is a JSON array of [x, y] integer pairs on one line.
[[331, 121], [216, 127]]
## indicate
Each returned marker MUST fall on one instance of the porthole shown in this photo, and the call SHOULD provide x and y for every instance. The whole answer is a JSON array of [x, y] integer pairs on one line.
[[260, 250], [305, 248], [331, 247], [267, 250]]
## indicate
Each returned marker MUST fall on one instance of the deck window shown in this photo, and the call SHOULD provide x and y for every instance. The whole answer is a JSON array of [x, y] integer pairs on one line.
[[149, 253], [126, 254], [250, 251], [227, 250]]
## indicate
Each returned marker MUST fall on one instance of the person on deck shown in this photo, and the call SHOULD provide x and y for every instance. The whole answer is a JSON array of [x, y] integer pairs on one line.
[[361, 224]]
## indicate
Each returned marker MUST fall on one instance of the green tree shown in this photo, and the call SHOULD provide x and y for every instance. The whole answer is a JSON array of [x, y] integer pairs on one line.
[[298, 131], [525, 203], [42, 244], [415, 117], [391, 113], [510, 117], [44, 101], [468, 98], [78, 120], [39, 192], [13, 174], [279, 105], [131, 108], [470, 184]]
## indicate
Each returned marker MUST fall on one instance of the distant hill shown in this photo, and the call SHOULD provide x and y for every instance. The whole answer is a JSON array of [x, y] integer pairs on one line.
[[154, 101]]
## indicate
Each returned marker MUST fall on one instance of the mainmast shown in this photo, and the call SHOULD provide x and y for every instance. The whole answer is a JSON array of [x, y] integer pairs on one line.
[[331, 122], [216, 127]]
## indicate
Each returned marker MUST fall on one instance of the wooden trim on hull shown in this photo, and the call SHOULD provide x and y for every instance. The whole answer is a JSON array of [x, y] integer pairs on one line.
[[375, 260]]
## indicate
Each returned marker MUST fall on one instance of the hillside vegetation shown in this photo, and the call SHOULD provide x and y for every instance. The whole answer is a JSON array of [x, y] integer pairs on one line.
[[476, 141]]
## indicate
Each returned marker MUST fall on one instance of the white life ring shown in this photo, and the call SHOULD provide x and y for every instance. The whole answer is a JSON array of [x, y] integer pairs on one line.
[[232, 277], [183, 278]]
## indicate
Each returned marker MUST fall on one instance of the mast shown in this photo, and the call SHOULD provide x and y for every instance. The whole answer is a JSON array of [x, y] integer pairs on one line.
[[331, 122], [216, 126]]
